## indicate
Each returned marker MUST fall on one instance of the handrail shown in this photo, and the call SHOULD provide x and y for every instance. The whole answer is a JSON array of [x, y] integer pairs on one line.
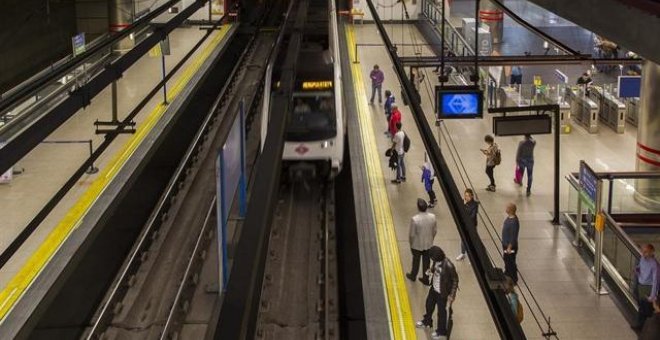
[[610, 175], [630, 244], [76, 61]]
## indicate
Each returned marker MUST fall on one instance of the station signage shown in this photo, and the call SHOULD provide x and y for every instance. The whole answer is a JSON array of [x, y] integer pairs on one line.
[[588, 181], [522, 125], [458, 102]]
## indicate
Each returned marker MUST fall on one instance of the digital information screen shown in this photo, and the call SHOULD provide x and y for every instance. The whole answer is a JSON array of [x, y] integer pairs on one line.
[[521, 125], [459, 102], [629, 86]]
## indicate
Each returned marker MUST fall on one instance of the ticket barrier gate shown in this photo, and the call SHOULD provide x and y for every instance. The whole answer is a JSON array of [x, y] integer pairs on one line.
[[610, 109], [511, 96], [583, 109], [632, 110]]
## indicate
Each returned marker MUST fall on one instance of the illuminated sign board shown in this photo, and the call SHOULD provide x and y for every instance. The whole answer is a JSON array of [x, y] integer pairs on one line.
[[521, 125], [459, 102], [317, 85]]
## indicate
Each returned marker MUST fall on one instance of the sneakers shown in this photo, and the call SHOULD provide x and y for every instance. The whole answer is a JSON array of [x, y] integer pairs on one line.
[[425, 281], [460, 257], [490, 188], [421, 324], [396, 181], [410, 277], [403, 179], [431, 205], [529, 193], [436, 336]]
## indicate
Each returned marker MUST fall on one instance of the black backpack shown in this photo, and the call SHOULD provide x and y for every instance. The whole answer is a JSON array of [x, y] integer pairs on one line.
[[498, 157], [406, 142]]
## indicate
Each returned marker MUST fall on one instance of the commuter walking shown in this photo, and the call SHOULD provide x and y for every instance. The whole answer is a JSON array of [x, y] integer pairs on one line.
[[444, 283], [395, 118], [427, 178], [493, 158], [525, 161], [471, 208], [397, 145], [585, 82], [377, 78], [647, 278], [423, 228], [516, 76], [651, 329], [510, 229], [416, 79]]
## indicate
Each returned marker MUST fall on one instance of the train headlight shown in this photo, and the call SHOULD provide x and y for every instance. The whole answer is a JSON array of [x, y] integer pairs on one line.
[[326, 144]]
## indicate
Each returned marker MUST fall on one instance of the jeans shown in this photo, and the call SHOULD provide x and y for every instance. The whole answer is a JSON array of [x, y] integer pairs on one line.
[[527, 166], [489, 172], [433, 300], [645, 307], [426, 262], [375, 88], [401, 169], [510, 267]]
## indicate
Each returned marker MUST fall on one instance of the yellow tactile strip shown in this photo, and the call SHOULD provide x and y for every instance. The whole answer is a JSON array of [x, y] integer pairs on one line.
[[401, 321], [38, 260]]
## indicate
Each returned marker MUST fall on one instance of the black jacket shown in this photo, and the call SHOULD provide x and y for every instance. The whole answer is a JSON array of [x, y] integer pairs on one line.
[[472, 210], [448, 278]]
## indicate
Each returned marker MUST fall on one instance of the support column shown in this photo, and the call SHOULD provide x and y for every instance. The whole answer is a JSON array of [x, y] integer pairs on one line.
[[492, 16], [121, 15], [648, 135]]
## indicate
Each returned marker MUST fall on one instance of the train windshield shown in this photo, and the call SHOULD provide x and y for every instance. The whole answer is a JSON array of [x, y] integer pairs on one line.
[[312, 118]]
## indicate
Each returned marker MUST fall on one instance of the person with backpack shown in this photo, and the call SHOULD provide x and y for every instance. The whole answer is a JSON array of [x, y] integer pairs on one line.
[[423, 228], [471, 208], [493, 158], [444, 284], [427, 179], [400, 146], [525, 161], [512, 298]]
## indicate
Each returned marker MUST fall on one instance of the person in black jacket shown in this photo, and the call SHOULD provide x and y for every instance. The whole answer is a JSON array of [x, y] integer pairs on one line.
[[471, 210], [444, 284]]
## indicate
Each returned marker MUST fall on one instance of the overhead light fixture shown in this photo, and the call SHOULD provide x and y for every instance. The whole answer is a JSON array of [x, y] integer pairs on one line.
[[173, 10]]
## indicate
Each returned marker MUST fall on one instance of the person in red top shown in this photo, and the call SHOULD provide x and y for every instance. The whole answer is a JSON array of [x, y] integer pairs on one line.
[[394, 118]]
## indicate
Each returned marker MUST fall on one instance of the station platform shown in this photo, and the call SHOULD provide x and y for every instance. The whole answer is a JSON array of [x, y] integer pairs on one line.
[[47, 167], [549, 265]]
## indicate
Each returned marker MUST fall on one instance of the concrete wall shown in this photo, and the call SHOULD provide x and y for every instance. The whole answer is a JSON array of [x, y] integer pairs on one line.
[[92, 17], [630, 27], [33, 36]]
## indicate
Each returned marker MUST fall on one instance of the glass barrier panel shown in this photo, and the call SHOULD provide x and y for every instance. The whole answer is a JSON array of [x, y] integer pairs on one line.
[[634, 196]]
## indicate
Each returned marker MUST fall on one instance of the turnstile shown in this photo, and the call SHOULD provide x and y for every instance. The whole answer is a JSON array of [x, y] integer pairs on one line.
[[583, 109], [610, 109], [632, 110]]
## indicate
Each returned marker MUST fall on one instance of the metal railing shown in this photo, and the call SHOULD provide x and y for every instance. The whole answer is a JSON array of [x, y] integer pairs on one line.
[[621, 252]]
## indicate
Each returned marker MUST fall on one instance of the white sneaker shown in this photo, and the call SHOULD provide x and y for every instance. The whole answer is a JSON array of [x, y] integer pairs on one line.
[[436, 336], [421, 324], [460, 257]]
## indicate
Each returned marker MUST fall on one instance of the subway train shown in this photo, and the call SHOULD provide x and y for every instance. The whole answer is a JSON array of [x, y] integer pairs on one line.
[[314, 138]]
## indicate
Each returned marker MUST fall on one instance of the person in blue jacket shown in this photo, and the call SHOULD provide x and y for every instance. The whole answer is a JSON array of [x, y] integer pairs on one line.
[[427, 178]]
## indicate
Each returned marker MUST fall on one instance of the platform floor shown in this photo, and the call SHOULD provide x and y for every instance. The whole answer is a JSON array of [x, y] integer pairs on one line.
[[555, 272], [48, 166]]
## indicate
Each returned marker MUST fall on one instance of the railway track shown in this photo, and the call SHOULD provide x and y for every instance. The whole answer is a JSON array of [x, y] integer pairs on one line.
[[152, 294], [299, 293]]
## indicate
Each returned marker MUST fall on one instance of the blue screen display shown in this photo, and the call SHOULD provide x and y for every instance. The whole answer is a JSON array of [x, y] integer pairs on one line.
[[630, 86], [459, 104]]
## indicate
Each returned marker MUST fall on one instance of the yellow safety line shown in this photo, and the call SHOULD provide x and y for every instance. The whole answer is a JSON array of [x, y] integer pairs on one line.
[[38, 260], [401, 321]]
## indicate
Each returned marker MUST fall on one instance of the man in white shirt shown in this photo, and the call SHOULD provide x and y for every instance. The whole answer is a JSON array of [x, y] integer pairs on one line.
[[423, 228], [397, 145]]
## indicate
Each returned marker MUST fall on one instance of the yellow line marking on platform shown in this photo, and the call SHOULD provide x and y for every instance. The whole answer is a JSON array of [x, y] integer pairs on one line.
[[401, 321], [38, 260]]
